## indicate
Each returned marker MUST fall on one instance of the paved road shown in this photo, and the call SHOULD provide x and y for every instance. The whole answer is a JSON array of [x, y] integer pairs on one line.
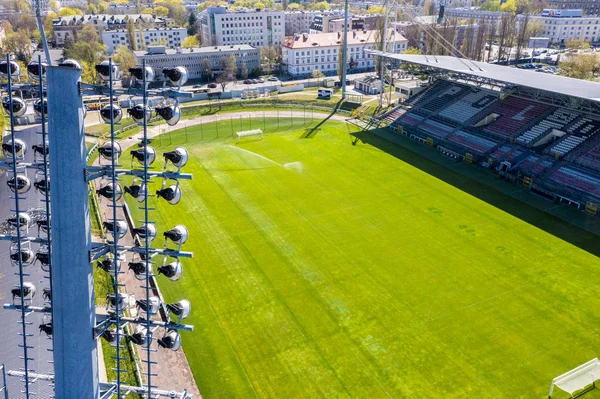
[[9, 351]]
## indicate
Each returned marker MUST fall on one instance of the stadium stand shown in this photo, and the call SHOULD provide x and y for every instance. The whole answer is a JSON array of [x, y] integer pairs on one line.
[[579, 132], [473, 142], [429, 93], [514, 113], [577, 179], [468, 106], [393, 116], [535, 165], [506, 153], [445, 98], [590, 159], [436, 128], [411, 118], [556, 120]]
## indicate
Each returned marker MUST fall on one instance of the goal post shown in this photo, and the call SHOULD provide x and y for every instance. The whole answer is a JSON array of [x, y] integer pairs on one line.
[[582, 378], [248, 133]]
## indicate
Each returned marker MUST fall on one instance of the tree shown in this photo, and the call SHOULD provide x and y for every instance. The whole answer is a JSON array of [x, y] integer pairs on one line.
[[509, 6], [577, 44], [320, 6], [148, 11], [490, 5], [190, 41], [161, 11], [206, 68], [412, 50], [376, 10], [53, 5], [67, 11], [192, 24], [228, 68], [294, 7], [124, 57], [19, 43], [244, 71], [259, 5], [341, 65], [317, 74], [268, 55], [88, 50], [131, 34], [206, 4], [580, 66], [429, 7]]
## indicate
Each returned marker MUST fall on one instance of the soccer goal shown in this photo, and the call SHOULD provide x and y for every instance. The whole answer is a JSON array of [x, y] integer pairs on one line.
[[581, 379], [249, 133]]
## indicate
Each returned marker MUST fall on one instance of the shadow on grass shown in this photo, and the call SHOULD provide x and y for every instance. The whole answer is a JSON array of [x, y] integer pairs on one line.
[[552, 224], [310, 133]]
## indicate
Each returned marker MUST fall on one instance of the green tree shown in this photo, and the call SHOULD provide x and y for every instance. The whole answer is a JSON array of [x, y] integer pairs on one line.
[[88, 50], [580, 66], [67, 11], [206, 67], [130, 26], [412, 50], [192, 24], [317, 74], [320, 6], [244, 71], [19, 43], [161, 11], [228, 68], [268, 55], [125, 58], [259, 5], [190, 41], [294, 7]]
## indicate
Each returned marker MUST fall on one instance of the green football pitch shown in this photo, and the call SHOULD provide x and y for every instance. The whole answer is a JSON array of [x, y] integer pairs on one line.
[[327, 269]]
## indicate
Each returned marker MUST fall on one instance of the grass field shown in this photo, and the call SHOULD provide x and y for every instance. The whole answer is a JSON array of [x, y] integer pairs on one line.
[[326, 269]]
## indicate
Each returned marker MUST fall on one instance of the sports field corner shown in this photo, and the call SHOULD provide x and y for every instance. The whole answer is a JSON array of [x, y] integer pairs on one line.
[[324, 268]]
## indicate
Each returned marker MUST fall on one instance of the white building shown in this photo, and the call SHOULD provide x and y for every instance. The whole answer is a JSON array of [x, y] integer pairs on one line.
[[300, 21], [302, 54], [564, 25], [159, 57], [170, 37], [222, 27]]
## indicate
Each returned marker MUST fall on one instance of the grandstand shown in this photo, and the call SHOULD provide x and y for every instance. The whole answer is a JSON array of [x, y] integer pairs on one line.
[[534, 128]]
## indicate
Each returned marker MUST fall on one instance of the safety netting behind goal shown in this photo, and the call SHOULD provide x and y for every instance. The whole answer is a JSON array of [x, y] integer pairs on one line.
[[578, 378]]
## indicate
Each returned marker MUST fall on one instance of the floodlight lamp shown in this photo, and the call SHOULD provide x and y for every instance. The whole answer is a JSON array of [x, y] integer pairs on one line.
[[178, 157], [176, 76], [178, 234], [20, 183], [137, 113], [18, 106], [11, 67], [34, 68], [115, 111], [171, 194], [170, 113], [20, 148], [180, 309], [109, 191], [172, 271], [104, 70]]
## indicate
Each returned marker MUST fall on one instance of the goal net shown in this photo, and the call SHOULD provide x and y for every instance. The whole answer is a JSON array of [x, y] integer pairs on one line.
[[580, 378], [249, 133]]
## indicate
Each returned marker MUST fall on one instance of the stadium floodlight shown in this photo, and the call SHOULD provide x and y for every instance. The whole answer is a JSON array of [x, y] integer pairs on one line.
[[18, 106], [138, 111], [109, 191], [47, 294], [114, 110], [170, 113], [139, 269], [109, 265], [144, 155], [136, 191], [103, 70], [140, 336], [41, 105], [19, 146], [24, 221], [180, 309], [25, 254], [119, 226], [107, 149], [11, 67], [71, 63], [147, 230], [28, 291], [171, 194], [138, 73], [176, 76], [172, 271], [42, 183], [110, 336], [171, 340], [46, 328], [153, 308], [42, 225], [41, 149], [34, 68], [178, 234], [20, 182], [122, 300], [43, 256], [178, 157]]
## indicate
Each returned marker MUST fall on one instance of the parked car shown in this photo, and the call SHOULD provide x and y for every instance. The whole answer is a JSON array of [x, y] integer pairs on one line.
[[212, 85], [248, 81], [259, 80], [273, 79]]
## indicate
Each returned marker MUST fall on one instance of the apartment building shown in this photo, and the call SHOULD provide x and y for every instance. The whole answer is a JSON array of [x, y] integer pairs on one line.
[[560, 26], [170, 37], [300, 21], [304, 53], [224, 27]]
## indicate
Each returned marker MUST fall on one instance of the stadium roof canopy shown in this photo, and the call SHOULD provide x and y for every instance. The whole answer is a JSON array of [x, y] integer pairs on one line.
[[581, 89]]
